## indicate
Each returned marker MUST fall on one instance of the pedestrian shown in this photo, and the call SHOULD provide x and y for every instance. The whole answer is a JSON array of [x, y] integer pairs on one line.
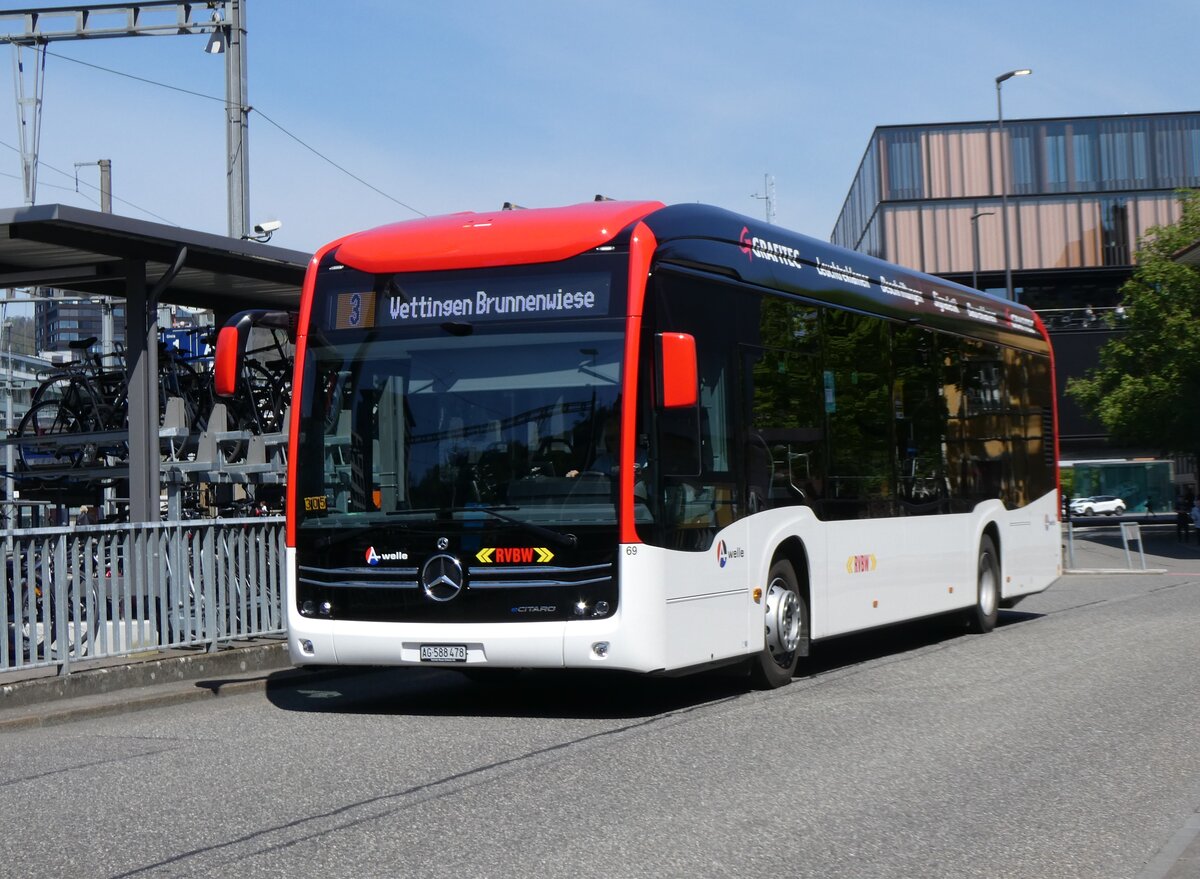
[[1196, 514], [1183, 520]]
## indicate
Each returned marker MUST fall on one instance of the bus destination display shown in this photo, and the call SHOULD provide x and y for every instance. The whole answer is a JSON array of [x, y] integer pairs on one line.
[[434, 302]]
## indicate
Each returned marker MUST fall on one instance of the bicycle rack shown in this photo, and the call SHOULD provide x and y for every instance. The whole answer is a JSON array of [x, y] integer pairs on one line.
[[197, 446]]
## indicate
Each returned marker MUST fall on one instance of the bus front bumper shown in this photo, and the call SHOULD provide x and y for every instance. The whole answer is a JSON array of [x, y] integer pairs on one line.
[[574, 644]]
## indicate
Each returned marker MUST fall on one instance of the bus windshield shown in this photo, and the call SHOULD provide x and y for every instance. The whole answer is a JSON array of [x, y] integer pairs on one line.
[[504, 423]]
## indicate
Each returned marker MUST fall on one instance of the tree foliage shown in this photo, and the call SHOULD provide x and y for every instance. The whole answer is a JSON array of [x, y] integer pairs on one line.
[[1146, 390]]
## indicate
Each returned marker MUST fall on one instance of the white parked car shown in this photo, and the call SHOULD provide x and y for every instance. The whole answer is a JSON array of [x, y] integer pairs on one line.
[[1100, 505]]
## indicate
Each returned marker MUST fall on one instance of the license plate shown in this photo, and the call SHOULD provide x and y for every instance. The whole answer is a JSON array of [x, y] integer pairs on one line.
[[443, 653]]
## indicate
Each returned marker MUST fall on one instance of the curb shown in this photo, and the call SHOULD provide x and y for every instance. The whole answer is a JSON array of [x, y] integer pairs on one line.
[[114, 689]]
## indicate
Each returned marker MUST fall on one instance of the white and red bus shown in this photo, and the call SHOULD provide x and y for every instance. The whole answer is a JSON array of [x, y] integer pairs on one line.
[[659, 439]]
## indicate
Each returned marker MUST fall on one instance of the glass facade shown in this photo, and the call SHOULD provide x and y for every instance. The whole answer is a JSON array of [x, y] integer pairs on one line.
[[1081, 191], [1046, 232]]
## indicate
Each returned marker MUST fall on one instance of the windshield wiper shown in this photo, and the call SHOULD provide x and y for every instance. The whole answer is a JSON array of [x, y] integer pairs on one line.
[[558, 537], [568, 539]]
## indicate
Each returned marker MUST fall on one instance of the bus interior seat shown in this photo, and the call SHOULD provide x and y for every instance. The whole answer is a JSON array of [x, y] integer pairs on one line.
[[554, 456]]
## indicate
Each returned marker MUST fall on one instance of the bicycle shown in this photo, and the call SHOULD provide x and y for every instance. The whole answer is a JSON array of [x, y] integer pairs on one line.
[[82, 396]]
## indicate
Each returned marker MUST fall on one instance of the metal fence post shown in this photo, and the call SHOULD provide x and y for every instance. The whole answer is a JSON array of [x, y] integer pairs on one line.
[[61, 624], [1131, 530]]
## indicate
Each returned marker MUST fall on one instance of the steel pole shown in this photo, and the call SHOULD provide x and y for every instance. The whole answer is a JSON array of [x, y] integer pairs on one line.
[[237, 109]]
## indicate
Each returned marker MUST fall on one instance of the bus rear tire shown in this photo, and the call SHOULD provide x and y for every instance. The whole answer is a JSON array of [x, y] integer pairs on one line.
[[982, 617], [786, 622]]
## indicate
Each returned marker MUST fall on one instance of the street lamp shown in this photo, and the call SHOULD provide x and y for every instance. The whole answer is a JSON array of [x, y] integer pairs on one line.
[[1008, 288], [975, 241]]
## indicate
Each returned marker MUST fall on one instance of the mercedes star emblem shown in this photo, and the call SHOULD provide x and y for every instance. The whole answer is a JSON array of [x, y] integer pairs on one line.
[[442, 577]]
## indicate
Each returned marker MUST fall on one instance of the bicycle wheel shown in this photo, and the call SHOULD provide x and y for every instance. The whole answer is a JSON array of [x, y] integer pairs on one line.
[[110, 419], [44, 436], [261, 392], [177, 378], [67, 385]]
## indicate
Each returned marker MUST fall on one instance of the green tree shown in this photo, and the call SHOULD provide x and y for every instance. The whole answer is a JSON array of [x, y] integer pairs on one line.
[[1146, 390]]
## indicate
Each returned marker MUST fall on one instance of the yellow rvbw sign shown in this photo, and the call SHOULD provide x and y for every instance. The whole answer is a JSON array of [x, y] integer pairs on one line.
[[527, 555], [861, 564]]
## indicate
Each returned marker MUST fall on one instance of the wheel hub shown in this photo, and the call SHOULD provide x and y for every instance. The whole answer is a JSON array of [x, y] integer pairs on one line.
[[783, 619]]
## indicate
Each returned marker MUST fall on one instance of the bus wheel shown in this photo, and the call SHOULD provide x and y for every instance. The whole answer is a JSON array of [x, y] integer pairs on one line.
[[982, 617], [786, 621]]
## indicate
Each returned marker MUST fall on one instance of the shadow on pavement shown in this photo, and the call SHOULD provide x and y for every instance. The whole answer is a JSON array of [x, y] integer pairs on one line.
[[444, 692]]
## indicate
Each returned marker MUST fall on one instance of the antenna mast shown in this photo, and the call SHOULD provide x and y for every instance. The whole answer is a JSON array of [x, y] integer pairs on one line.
[[768, 196]]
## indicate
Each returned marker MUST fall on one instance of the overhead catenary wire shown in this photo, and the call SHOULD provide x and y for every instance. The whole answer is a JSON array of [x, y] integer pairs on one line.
[[75, 177], [250, 109]]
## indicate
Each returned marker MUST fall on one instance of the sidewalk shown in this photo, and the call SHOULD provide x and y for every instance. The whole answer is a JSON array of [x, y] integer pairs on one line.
[[1100, 550], [40, 697]]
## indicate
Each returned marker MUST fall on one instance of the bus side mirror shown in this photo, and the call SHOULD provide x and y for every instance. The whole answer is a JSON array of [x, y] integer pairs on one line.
[[678, 376], [227, 362], [231, 345]]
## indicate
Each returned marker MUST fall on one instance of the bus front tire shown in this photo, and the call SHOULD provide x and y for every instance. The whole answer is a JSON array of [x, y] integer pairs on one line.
[[786, 622], [982, 617]]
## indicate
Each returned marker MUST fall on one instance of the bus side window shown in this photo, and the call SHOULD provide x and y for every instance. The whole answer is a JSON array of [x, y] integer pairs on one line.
[[679, 442], [783, 406]]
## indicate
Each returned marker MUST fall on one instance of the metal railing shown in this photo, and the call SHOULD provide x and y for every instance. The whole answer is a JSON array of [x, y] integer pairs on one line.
[[75, 593]]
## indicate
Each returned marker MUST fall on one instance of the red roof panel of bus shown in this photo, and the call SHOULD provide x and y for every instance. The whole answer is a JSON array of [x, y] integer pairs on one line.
[[475, 240]]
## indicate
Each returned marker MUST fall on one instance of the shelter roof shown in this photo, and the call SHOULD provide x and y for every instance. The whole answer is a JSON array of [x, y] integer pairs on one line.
[[86, 251]]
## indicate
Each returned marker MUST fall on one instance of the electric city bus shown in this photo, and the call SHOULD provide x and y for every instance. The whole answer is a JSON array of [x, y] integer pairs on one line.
[[656, 439]]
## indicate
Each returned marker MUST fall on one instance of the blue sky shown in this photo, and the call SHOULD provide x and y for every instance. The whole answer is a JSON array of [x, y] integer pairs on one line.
[[457, 106]]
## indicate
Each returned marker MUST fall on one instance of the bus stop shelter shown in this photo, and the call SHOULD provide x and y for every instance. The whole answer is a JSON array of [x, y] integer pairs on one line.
[[91, 254]]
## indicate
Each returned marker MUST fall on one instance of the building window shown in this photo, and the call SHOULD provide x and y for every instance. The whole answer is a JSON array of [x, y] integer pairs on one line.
[[1055, 149], [1083, 151], [902, 172], [1114, 218], [1021, 160]]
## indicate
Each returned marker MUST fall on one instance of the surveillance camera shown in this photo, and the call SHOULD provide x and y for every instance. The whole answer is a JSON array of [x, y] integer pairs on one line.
[[267, 227]]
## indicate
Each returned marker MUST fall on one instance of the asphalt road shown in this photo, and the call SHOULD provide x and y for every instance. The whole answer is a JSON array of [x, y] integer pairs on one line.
[[1064, 744]]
